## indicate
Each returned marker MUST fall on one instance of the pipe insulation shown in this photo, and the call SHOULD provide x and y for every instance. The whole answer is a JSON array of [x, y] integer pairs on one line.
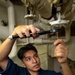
[[43, 6]]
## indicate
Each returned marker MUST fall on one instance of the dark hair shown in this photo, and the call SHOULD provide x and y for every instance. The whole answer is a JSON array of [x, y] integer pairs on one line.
[[24, 49]]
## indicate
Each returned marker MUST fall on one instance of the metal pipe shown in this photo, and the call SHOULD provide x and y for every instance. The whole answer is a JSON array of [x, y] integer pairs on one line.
[[11, 23]]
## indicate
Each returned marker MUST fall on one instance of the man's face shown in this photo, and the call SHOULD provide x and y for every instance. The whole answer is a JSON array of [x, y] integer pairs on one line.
[[31, 61]]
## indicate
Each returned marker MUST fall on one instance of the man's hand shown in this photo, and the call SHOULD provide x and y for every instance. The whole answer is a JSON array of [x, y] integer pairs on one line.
[[25, 29], [61, 51]]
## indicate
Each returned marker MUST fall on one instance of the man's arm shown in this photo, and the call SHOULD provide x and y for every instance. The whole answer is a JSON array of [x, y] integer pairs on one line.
[[5, 49], [61, 53], [7, 45], [66, 69]]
